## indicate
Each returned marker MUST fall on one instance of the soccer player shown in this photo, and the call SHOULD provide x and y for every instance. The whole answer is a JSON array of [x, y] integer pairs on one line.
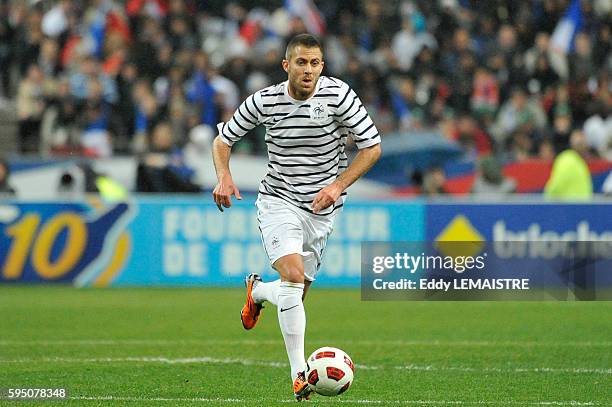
[[307, 119]]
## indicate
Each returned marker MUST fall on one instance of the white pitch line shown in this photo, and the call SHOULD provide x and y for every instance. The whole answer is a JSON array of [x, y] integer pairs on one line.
[[250, 362], [341, 400], [231, 342], [411, 367], [466, 402], [164, 399], [154, 359]]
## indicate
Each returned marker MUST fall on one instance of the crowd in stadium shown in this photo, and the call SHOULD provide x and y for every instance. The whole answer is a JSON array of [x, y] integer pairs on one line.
[[104, 77]]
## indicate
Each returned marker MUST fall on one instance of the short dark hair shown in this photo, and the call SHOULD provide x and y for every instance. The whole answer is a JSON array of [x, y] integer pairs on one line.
[[307, 40]]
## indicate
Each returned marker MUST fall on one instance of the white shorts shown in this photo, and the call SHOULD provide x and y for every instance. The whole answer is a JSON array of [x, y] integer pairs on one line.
[[286, 229]]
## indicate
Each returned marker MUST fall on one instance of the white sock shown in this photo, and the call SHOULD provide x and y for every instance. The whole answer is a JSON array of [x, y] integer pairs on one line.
[[292, 321], [266, 292]]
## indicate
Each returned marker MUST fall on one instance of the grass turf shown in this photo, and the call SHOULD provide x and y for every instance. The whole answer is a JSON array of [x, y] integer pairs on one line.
[[148, 346]]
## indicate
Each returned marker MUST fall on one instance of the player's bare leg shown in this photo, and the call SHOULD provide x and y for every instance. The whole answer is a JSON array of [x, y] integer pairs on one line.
[[306, 287], [292, 318]]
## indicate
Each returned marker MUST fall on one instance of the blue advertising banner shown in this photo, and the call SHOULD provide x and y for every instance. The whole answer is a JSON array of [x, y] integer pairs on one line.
[[62, 242], [190, 242], [175, 241], [519, 222], [187, 241], [555, 246]]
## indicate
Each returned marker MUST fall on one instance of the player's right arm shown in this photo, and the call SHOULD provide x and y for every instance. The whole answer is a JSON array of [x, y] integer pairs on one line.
[[225, 188], [247, 117]]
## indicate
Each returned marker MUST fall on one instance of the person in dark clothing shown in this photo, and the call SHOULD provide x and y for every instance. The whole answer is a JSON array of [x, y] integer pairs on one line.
[[5, 172], [162, 169]]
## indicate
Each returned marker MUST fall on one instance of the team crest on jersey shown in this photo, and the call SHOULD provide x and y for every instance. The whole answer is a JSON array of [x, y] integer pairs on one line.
[[318, 111]]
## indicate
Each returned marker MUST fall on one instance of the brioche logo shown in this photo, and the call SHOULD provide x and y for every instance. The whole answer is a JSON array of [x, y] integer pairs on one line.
[[580, 241], [461, 238], [460, 229]]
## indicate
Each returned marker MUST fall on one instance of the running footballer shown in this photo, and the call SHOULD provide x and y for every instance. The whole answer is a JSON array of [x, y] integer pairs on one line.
[[308, 119]]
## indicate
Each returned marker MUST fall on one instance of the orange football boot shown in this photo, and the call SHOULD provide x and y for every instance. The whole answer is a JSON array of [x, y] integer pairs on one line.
[[301, 389], [251, 310]]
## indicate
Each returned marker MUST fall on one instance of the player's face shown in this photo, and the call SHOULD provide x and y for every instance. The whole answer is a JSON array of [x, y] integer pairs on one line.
[[303, 69]]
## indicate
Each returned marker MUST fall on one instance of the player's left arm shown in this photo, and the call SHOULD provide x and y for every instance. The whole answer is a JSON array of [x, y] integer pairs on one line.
[[364, 160], [352, 115]]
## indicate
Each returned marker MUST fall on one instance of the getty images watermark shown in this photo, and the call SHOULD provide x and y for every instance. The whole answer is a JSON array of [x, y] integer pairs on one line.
[[457, 264], [484, 271]]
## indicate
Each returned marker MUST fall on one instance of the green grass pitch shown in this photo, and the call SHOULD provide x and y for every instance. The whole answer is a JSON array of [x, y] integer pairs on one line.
[[179, 347]]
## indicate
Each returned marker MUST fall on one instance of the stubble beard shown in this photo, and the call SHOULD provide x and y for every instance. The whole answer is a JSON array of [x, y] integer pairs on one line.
[[300, 92]]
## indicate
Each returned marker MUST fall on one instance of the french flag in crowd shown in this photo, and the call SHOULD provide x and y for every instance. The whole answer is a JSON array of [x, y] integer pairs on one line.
[[309, 13], [562, 39]]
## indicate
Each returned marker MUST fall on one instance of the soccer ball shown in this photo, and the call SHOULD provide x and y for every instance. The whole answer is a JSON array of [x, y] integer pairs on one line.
[[329, 371]]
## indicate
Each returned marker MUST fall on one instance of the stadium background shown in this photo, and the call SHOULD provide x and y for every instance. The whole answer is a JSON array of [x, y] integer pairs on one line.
[[106, 117]]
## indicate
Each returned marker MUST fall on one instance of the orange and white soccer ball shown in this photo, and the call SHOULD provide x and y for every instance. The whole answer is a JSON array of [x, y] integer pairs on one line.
[[329, 371]]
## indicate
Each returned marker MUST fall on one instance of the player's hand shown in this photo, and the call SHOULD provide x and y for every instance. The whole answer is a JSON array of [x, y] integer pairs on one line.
[[222, 194], [326, 197]]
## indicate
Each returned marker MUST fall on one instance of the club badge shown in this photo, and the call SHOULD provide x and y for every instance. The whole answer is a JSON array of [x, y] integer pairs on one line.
[[318, 111]]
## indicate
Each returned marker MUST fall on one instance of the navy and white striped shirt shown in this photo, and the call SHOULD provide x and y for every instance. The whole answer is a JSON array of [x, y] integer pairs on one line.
[[305, 138]]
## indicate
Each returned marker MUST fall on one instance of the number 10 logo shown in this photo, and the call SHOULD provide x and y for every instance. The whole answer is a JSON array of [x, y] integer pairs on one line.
[[53, 243], [26, 242]]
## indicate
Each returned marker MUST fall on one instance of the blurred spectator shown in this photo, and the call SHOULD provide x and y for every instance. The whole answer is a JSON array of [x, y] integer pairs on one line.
[[560, 103], [461, 45], [600, 98], [381, 114], [30, 107], [197, 153], [485, 94], [48, 59], [562, 128], [543, 75], [226, 92], [519, 113], [599, 135], [472, 139], [28, 37], [546, 150], [581, 64], [460, 78], [538, 50], [55, 21], [521, 145], [126, 106], [570, 178], [406, 106], [96, 138], [201, 92], [163, 169], [490, 181], [433, 182], [418, 65], [5, 173], [603, 43], [89, 70], [147, 114], [606, 188], [410, 40], [60, 128], [272, 52], [6, 51]]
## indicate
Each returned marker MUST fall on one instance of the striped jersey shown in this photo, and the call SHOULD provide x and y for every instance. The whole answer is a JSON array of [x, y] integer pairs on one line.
[[306, 139]]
